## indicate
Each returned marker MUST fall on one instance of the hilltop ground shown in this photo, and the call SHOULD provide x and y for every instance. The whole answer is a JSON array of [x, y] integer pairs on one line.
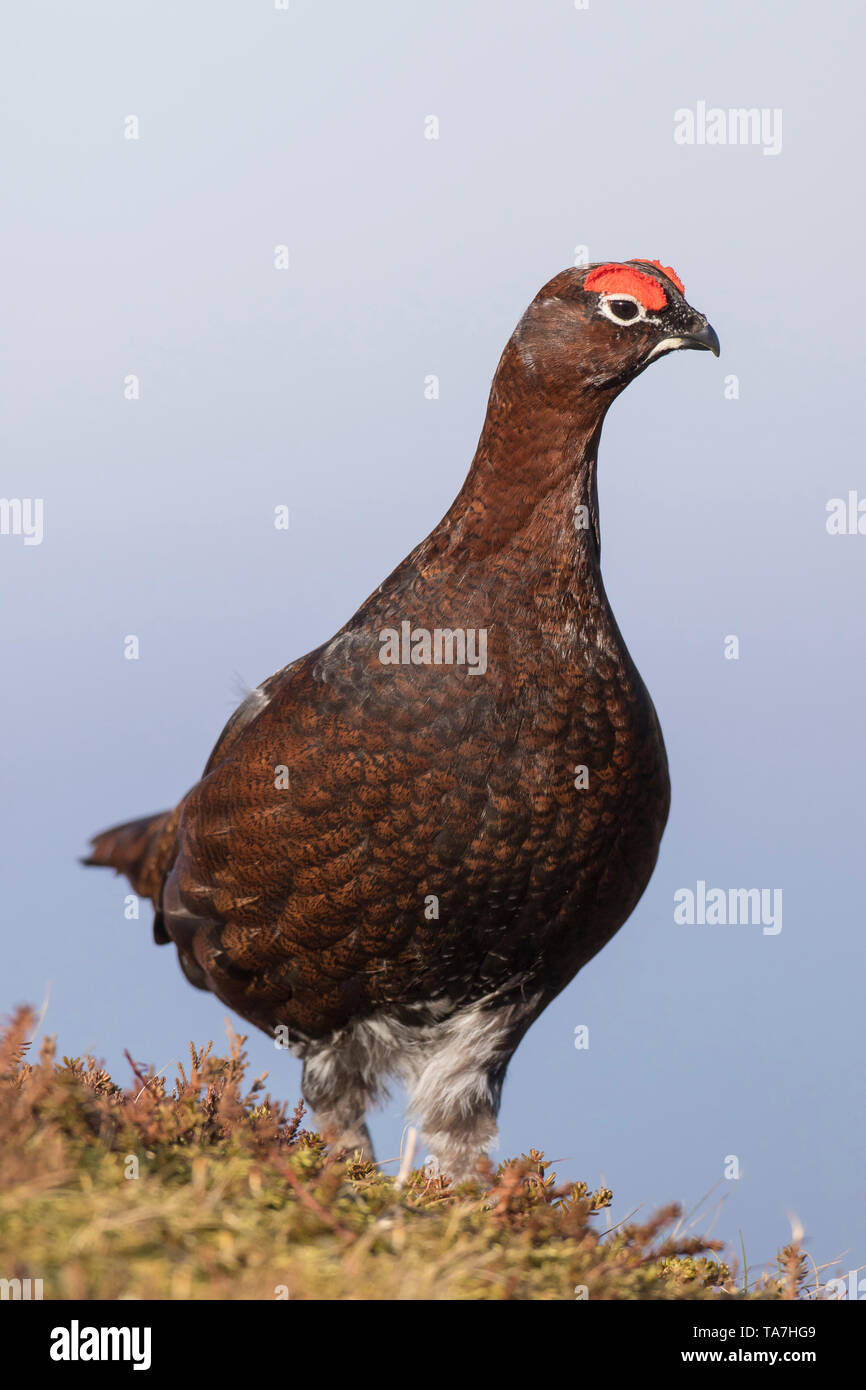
[[207, 1189]]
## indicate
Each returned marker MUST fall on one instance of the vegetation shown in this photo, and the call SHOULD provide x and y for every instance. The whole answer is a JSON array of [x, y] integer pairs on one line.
[[209, 1189]]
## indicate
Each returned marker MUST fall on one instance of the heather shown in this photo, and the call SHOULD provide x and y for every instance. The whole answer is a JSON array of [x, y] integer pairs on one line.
[[204, 1187]]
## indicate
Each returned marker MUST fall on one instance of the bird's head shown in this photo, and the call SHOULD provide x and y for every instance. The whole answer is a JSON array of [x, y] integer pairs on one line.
[[598, 326]]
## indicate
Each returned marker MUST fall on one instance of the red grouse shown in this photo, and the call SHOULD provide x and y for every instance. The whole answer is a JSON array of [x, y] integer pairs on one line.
[[407, 842]]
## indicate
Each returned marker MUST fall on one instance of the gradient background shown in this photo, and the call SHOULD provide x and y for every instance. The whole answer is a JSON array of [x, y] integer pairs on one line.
[[306, 387]]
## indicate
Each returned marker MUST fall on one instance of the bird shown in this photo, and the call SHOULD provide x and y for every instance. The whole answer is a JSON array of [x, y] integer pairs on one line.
[[407, 842]]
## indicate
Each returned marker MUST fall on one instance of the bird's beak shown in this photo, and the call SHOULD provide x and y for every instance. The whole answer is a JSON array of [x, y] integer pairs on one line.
[[703, 336], [706, 337]]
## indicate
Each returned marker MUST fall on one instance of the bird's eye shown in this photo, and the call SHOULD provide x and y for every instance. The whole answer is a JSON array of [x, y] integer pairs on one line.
[[620, 309]]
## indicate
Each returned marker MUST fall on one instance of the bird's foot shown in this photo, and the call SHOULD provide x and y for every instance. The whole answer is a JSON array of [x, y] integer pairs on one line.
[[346, 1141], [456, 1152]]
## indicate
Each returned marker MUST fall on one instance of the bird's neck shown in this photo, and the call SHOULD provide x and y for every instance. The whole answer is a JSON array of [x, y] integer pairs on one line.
[[532, 484]]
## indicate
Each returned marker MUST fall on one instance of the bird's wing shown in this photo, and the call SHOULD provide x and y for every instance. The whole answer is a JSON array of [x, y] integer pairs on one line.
[[340, 800]]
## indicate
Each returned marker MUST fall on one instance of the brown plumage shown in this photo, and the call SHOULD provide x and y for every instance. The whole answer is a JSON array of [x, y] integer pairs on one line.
[[402, 864]]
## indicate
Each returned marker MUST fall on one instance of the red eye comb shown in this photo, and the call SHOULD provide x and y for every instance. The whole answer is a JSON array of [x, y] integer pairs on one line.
[[624, 279], [665, 270]]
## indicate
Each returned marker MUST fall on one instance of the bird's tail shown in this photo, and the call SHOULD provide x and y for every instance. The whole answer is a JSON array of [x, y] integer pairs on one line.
[[141, 849]]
